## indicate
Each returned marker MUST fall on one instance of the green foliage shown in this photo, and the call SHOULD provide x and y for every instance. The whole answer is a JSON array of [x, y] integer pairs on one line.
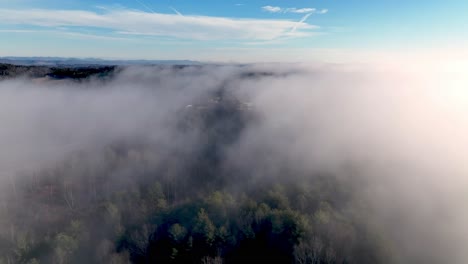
[[204, 228], [277, 198], [65, 245], [177, 233], [156, 197], [33, 261]]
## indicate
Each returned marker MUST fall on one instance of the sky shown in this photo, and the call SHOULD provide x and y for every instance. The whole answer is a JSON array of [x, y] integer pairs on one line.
[[234, 30]]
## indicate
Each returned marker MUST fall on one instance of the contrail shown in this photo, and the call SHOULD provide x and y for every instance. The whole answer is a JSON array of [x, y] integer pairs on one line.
[[145, 6], [175, 10], [303, 19]]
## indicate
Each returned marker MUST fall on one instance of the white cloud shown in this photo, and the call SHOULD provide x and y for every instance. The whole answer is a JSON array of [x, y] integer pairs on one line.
[[300, 10], [132, 22], [323, 11], [305, 10], [272, 9]]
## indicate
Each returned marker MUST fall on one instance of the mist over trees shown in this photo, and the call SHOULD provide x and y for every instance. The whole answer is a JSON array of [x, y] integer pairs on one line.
[[229, 164]]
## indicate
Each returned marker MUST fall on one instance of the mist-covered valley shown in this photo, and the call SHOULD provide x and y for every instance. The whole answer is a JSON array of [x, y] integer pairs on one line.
[[266, 163]]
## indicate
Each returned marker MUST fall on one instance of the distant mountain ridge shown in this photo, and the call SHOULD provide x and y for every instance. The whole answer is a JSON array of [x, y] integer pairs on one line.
[[59, 61]]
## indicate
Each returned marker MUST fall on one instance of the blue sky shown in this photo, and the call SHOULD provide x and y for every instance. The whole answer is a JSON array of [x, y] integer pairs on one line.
[[230, 30]]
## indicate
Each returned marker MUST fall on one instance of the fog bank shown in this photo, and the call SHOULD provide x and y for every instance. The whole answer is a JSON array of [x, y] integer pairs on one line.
[[399, 139]]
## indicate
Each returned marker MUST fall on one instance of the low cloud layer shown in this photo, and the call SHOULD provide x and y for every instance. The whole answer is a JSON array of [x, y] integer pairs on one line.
[[402, 136]]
